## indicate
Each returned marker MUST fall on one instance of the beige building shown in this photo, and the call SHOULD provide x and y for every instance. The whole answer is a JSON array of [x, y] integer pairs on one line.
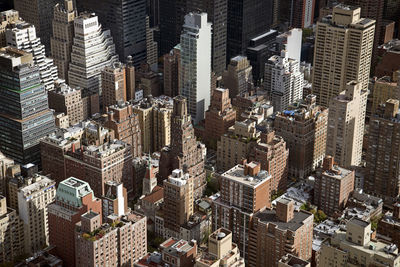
[[68, 101], [221, 251], [4, 164], [385, 88], [113, 84], [237, 144], [343, 49], [346, 125], [11, 233], [6, 17], [238, 76], [33, 201], [354, 247], [63, 34]]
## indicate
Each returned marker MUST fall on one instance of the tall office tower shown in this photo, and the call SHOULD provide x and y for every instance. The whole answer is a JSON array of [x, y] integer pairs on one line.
[[130, 79], [238, 76], [348, 246], [237, 144], [63, 36], [154, 115], [304, 128], [283, 81], [178, 201], [346, 125], [246, 20], [73, 198], [121, 241], [383, 156], [196, 64], [275, 233], [153, 11], [68, 101], [172, 69], [22, 35], [333, 186], [113, 84], [92, 50], [6, 17], [151, 46], [5, 163], [172, 17], [343, 48], [24, 112], [217, 13], [33, 202], [245, 189], [127, 21], [220, 116], [221, 251], [11, 233], [185, 152], [125, 124], [273, 155], [302, 13], [40, 14]]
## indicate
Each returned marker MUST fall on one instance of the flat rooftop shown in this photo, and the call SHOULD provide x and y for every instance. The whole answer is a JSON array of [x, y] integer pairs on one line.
[[269, 216], [237, 174]]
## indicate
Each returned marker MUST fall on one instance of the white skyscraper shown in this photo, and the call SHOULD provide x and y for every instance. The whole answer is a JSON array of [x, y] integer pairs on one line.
[[283, 80], [22, 35], [196, 64], [92, 50]]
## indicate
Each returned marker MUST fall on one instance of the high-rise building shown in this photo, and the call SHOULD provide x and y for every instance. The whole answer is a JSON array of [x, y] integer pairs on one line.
[[68, 101], [247, 19], [237, 144], [343, 48], [283, 81], [125, 124], [113, 84], [63, 35], [220, 116], [178, 202], [304, 128], [40, 14], [385, 88], [5, 163], [274, 233], [238, 76], [354, 246], [221, 251], [73, 198], [383, 154], [333, 186], [346, 125], [6, 17], [22, 35], [302, 13], [196, 64], [154, 115], [273, 155], [115, 201], [245, 189], [33, 202], [172, 70], [184, 152], [151, 46], [24, 113], [87, 61], [11, 233], [127, 21], [119, 242]]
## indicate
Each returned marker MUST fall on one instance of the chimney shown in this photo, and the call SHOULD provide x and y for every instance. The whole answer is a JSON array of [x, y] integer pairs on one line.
[[73, 147], [328, 163], [252, 168], [268, 137], [243, 162], [285, 210]]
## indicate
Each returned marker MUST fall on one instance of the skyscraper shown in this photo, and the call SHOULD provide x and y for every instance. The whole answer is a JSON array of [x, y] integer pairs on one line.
[[113, 84], [238, 76], [88, 61], [184, 152], [40, 14], [24, 112], [62, 38], [127, 21], [346, 125], [172, 69], [343, 48], [246, 19], [283, 81], [383, 155], [196, 64]]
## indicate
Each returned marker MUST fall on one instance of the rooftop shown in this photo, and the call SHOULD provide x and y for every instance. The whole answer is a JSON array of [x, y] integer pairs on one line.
[[41, 183], [175, 247], [269, 216], [71, 191], [237, 174]]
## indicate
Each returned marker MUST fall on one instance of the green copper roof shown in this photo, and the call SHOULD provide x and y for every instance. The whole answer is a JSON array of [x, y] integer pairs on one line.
[[72, 190]]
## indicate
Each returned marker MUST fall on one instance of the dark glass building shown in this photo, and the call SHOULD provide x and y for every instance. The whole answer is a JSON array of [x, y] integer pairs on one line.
[[25, 116]]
